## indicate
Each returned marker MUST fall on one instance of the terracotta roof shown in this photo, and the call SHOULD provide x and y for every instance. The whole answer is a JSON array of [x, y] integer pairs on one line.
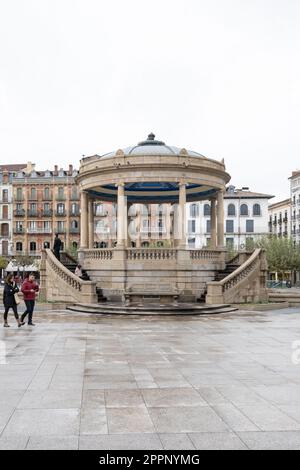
[[285, 202], [13, 167], [294, 174], [246, 195]]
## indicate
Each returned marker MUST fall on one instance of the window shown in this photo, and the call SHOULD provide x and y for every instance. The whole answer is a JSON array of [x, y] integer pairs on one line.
[[19, 194], [47, 193], [208, 226], [231, 210], [249, 226], [33, 193], [75, 210], [191, 226], [256, 209], [244, 209], [206, 209], [32, 246], [5, 195], [60, 208], [19, 246], [229, 242], [74, 224], [61, 192], [194, 210], [229, 226], [46, 245]]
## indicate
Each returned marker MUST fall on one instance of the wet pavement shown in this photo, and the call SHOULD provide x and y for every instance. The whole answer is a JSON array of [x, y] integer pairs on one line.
[[80, 381]]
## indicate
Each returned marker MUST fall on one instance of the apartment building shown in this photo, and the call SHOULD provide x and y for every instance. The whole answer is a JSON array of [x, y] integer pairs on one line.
[[44, 203], [245, 218], [7, 172], [280, 218], [295, 206]]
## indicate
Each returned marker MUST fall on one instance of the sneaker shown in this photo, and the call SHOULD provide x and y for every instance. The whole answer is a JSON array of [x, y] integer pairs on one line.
[[6, 325], [31, 324]]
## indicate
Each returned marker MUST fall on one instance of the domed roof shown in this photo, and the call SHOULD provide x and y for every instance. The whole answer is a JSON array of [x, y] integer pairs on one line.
[[151, 146]]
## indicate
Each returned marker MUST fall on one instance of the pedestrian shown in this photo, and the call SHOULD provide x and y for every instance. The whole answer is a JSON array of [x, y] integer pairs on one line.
[[29, 289], [9, 299], [78, 270], [57, 246]]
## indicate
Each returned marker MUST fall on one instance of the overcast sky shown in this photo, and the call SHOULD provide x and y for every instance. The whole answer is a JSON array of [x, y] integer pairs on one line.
[[217, 76]]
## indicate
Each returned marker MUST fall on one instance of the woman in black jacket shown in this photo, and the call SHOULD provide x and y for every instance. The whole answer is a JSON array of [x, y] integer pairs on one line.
[[9, 301]]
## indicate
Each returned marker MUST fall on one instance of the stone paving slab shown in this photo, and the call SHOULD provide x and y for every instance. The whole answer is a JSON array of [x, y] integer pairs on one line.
[[211, 382]]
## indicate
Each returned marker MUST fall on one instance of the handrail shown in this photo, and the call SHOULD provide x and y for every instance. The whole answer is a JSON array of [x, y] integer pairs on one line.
[[66, 275], [237, 275]]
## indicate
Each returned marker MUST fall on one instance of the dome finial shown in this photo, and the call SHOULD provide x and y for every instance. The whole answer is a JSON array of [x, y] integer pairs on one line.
[[151, 136]]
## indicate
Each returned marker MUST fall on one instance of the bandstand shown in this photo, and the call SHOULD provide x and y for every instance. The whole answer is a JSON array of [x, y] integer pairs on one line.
[[151, 173]]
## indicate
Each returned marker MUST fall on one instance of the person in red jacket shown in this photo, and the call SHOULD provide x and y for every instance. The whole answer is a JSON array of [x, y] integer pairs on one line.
[[29, 289]]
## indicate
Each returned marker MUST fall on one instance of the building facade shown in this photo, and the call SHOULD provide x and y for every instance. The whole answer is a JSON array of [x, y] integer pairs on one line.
[[295, 206], [7, 172], [44, 203], [280, 218], [245, 218]]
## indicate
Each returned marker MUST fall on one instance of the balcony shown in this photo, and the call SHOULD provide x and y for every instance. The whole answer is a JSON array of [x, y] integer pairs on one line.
[[46, 213], [60, 213], [61, 197], [47, 197], [285, 219], [74, 230], [74, 197], [19, 230], [32, 198], [19, 198], [32, 213], [275, 222], [59, 230], [39, 230], [74, 213]]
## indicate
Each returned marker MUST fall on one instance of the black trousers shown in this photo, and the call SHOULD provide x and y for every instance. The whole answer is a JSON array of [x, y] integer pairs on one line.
[[57, 254], [15, 310], [29, 310]]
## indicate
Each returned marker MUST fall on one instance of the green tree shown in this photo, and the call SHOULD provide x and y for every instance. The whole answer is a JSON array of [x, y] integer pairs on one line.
[[281, 253]]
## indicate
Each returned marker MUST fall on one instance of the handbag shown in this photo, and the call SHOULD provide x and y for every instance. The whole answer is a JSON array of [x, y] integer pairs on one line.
[[17, 298]]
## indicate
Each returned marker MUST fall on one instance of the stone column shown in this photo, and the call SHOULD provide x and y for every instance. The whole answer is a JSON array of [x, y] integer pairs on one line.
[[121, 215], [91, 222], [182, 215], [83, 219], [213, 223], [220, 219]]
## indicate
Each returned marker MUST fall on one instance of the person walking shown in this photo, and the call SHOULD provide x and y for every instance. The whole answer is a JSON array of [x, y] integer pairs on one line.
[[57, 246], [29, 289], [9, 299]]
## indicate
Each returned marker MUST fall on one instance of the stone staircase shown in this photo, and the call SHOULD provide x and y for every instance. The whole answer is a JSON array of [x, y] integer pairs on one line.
[[151, 309], [70, 263], [230, 267]]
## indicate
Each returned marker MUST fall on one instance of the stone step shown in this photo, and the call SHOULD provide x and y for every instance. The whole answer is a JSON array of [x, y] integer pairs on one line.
[[119, 309]]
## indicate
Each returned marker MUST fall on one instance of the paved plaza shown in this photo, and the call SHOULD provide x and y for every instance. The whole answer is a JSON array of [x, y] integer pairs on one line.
[[203, 382]]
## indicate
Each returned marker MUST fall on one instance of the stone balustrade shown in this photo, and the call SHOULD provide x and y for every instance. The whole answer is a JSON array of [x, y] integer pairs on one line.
[[214, 255], [246, 284], [151, 254], [60, 284], [98, 254]]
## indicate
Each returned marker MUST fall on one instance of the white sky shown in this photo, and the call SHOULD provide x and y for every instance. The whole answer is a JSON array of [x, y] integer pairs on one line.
[[217, 76]]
